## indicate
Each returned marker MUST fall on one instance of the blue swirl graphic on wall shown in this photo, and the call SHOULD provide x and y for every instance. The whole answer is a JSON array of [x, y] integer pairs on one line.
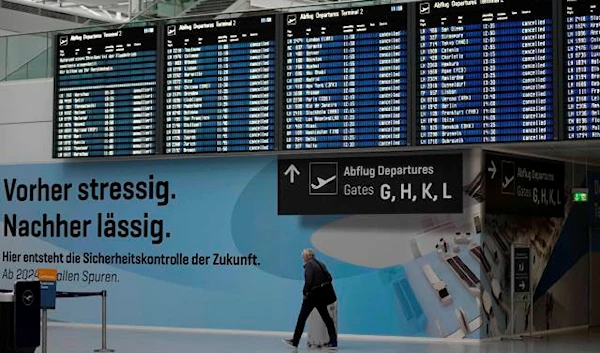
[[255, 226], [226, 206]]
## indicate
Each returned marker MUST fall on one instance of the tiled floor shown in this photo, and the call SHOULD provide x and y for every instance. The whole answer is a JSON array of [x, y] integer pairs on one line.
[[69, 340]]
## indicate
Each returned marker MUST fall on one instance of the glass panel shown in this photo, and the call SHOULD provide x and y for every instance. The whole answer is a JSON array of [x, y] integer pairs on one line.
[[186, 4], [22, 49], [3, 57], [50, 54], [38, 66], [18, 74], [148, 13]]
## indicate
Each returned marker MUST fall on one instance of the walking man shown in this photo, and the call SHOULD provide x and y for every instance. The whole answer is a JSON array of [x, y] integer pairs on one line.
[[317, 293]]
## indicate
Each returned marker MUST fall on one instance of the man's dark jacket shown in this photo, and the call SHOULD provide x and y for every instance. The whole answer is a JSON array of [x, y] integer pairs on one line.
[[315, 274]]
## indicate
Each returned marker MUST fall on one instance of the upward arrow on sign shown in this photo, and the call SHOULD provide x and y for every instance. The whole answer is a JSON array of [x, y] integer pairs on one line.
[[292, 171], [493, 170]]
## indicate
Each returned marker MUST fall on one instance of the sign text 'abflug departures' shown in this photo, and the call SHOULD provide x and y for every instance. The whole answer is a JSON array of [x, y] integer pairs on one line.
[[380, 185]]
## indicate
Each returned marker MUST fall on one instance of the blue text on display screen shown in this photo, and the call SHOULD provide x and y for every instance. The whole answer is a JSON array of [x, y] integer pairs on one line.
[[582, 68], [106, 93], [362, 78], [220, 86], [485, 72], [346, 78]]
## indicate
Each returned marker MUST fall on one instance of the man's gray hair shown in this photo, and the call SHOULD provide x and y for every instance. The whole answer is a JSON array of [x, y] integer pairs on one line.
[[310, 253]]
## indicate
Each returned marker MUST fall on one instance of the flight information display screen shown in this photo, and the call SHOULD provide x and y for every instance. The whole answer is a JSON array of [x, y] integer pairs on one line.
[[105, 92], [220, 86], [346, 78], [485, 71], [582, 67]]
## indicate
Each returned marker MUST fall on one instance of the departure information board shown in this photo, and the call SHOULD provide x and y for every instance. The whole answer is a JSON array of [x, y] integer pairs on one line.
[[346, 78], [220, 86], [105, 86], [582, 68], [486, 71]]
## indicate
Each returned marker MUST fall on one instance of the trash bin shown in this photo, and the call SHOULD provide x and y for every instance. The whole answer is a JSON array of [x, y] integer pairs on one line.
[[20, 318]]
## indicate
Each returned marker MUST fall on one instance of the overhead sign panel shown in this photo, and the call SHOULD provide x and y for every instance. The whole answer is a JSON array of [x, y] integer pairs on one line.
[[377, 185], [524, 186]]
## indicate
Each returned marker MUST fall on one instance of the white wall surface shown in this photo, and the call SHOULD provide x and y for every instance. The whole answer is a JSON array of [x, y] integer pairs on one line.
[[26, 121]]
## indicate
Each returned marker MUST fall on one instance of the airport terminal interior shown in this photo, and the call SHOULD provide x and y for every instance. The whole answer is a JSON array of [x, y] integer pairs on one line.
[[266, 176]]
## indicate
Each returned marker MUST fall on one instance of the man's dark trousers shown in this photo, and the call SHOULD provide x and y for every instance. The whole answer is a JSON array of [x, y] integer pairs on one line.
[[307, 307]]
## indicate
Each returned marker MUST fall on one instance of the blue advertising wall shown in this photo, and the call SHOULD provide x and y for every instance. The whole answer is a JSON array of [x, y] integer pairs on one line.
[[224, 208], [228, 207], [215, 208]]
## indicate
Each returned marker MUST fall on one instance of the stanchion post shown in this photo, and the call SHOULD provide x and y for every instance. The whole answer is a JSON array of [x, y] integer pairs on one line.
[[44, 330], [104, 349]]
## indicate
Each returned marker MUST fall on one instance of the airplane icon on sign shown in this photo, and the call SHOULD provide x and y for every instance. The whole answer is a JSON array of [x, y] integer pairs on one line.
[[322, 182], [323, 178]]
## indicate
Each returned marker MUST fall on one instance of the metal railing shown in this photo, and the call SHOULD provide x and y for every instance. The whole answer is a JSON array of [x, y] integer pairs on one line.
[[103, 349]]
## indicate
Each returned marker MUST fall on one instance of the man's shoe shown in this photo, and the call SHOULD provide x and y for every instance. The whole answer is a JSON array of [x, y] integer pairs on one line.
[[289, 343], [331, 345]]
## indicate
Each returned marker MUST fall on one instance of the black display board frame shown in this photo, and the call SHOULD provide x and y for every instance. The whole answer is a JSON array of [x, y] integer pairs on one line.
[[557, 80], [277, 86], [55, 98], [412, 8], [364, 19], [563, 58]]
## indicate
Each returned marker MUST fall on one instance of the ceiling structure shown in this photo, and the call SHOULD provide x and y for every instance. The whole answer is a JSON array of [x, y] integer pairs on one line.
[[92, 12], [74, 11]]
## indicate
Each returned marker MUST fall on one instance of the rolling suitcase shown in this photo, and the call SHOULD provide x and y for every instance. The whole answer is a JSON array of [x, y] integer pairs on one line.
[[317, 331]]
